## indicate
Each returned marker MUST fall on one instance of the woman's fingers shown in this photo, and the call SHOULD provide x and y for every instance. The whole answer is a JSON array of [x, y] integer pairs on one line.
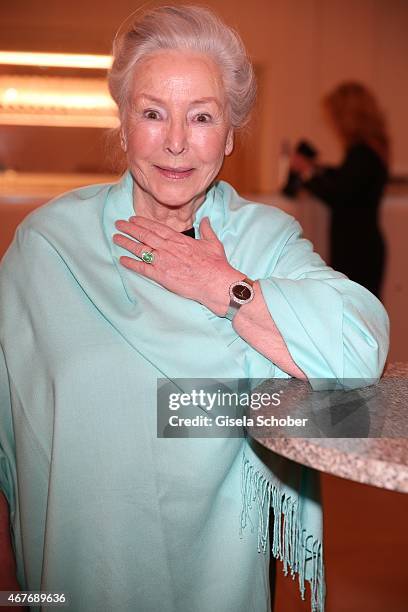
[[206, 231], [137, 248], [179, 263], [144, 269], [142, 234], [137, 266], [165, 232]]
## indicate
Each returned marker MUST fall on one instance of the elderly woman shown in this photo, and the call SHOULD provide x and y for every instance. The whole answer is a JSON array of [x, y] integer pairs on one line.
[[166, 274]]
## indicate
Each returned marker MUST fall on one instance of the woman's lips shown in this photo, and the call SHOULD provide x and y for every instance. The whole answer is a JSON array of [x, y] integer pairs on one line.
[[175, 173]]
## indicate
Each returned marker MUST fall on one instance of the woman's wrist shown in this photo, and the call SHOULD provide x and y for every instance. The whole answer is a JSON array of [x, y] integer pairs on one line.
[[218, 298]]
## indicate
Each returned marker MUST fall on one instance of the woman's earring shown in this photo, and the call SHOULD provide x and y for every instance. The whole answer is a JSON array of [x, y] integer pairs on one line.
[[123, 142]]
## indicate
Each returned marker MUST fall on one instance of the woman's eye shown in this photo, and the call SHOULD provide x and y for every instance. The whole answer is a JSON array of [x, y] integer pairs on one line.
[[151, 114], [203, 118]]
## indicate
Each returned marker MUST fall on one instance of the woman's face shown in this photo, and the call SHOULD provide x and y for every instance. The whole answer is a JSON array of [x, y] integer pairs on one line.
[[177, 129]]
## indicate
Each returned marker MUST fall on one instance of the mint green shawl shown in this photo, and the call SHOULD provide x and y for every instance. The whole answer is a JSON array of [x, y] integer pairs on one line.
[[102, 509]]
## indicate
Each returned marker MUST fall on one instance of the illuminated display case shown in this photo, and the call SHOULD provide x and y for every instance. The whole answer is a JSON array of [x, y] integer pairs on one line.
[[39, 89]]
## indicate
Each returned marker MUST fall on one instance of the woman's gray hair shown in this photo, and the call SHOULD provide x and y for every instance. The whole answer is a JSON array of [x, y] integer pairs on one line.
[[190, 28]]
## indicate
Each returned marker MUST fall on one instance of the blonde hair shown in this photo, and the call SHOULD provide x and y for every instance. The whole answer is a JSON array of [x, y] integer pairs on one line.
[[189, 28], [358, 117]]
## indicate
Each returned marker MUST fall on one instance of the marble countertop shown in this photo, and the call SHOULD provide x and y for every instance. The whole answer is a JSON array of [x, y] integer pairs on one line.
[[380, 461]]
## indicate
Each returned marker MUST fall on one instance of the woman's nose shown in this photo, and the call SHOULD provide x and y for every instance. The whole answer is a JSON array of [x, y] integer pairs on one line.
[[176, 138]]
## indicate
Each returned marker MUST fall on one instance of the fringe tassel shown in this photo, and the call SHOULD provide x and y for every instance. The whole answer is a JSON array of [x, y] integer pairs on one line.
[[290, 543]]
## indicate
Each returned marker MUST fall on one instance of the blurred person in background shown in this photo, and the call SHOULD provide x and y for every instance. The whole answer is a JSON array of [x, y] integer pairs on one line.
[[354, 189]]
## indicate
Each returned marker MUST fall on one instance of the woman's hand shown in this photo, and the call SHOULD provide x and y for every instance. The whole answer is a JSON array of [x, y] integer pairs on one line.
[[194, 269], [199, 270], [301, 164]]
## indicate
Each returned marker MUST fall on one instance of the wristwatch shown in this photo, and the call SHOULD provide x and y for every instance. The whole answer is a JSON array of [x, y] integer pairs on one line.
[[240, 292]]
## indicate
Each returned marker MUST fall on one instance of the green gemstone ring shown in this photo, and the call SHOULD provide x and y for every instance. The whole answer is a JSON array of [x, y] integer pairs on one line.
[[147, 257]]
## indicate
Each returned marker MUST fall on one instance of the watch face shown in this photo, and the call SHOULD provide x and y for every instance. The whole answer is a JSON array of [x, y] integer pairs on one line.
[[241, 292]]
